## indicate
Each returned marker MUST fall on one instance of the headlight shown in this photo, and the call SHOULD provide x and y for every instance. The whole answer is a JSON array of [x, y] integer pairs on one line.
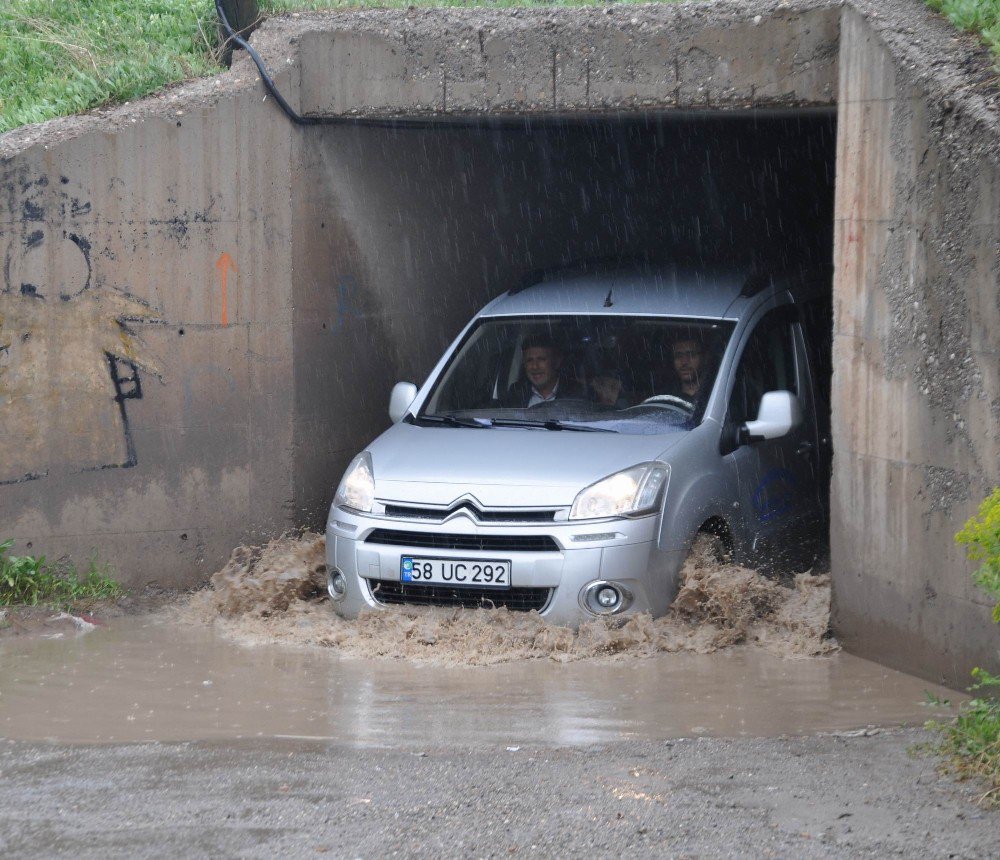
[[357, 489], [628, 493]]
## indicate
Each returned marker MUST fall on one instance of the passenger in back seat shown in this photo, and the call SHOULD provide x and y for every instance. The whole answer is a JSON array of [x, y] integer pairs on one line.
[[608, 388]]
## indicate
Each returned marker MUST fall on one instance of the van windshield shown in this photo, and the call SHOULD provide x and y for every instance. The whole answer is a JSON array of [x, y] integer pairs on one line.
[[636, 375]]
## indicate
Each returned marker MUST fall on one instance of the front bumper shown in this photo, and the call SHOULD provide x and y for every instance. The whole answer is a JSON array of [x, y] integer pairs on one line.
[[624, 551]]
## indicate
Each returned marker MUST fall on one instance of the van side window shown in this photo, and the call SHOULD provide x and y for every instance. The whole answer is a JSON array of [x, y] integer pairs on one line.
[[475, 379], [767, 364]]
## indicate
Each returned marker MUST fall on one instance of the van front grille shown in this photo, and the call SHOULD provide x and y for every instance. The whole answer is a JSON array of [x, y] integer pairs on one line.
[[515, 599], [477, 543], [415, 512]]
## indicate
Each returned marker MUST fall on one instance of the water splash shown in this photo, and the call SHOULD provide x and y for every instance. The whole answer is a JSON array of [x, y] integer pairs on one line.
[[274, 594]]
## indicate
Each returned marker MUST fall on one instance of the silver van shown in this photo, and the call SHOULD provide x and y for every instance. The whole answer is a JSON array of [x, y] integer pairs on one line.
[[581, 432]]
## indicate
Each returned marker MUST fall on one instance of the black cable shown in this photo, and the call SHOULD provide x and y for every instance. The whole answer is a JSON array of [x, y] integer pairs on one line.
[[268, 83], [299, 119]]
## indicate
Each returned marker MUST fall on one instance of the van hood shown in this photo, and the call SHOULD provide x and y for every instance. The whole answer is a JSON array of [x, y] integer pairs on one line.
[[502, 467]]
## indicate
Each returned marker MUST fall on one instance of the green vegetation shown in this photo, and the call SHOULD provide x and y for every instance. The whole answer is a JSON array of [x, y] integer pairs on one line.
[[977, 16], [971, 742], [27, 580], [981, 534], [61, 57]]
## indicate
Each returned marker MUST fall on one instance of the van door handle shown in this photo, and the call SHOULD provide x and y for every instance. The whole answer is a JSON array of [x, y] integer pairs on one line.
[[805, 448]]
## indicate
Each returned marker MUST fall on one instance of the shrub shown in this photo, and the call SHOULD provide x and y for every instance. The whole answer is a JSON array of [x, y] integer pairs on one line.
[[981, 536], [971, 741], [27, 580]]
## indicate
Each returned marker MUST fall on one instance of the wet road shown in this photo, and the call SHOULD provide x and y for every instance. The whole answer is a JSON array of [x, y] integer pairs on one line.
[[149, 680], [141, 680], [781, 797], [143, 740]]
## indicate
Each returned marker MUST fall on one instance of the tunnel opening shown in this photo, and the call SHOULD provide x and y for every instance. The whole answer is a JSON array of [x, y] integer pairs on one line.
[[410, 231]]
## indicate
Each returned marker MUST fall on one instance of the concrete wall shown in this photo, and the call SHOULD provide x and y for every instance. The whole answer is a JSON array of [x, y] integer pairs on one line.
[[917, 368], [141, 416]]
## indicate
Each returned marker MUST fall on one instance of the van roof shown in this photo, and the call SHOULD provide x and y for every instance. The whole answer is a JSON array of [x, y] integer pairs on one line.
[[698, 291]]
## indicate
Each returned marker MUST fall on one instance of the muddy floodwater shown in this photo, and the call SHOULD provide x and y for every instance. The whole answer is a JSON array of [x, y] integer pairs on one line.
[[146, 679], [267, 595]]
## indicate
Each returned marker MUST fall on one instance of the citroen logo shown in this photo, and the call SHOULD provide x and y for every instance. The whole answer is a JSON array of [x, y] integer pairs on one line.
[[466, 505]]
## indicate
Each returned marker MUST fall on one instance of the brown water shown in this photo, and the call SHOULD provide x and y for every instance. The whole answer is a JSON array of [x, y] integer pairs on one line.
[[258, 655], [267, 595], [145, 679]]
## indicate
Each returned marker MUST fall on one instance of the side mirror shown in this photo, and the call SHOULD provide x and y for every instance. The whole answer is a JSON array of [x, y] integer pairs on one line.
[[403, 394], [780, 412]]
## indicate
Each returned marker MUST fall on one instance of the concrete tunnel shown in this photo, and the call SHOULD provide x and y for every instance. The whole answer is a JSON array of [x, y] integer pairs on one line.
[[475, 210], [276, 280]]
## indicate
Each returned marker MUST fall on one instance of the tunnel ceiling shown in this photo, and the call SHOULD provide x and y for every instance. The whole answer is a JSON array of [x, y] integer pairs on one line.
[[746, 188]]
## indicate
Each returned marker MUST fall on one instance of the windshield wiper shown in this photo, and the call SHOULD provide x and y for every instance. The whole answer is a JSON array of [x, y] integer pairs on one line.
[[550, 424], [453, 421]]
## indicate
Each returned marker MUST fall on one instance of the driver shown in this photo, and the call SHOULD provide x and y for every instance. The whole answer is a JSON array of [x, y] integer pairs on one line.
[[689, 362], [541, 360]]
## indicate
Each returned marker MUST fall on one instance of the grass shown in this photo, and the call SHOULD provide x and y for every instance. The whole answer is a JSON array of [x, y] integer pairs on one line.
[[60, 57], [981, 17], [29, 581]]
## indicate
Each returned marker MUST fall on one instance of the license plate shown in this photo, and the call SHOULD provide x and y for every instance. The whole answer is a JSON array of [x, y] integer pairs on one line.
[[478, 573]]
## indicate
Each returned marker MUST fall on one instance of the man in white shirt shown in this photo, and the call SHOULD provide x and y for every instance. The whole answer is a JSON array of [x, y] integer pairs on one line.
[[541, 366], [542, 360]]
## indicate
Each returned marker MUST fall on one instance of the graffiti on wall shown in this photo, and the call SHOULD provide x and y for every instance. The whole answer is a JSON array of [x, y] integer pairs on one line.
[[70, 356]]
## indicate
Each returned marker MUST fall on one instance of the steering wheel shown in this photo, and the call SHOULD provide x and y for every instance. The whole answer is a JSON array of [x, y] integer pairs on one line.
[[670, 400]]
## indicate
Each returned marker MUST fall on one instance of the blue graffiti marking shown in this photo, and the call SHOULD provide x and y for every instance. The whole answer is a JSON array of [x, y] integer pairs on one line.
[[775, 494], [347, 303]]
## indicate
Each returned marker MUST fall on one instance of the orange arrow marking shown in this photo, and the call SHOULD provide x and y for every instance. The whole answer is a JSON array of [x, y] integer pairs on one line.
[[224, 264]]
